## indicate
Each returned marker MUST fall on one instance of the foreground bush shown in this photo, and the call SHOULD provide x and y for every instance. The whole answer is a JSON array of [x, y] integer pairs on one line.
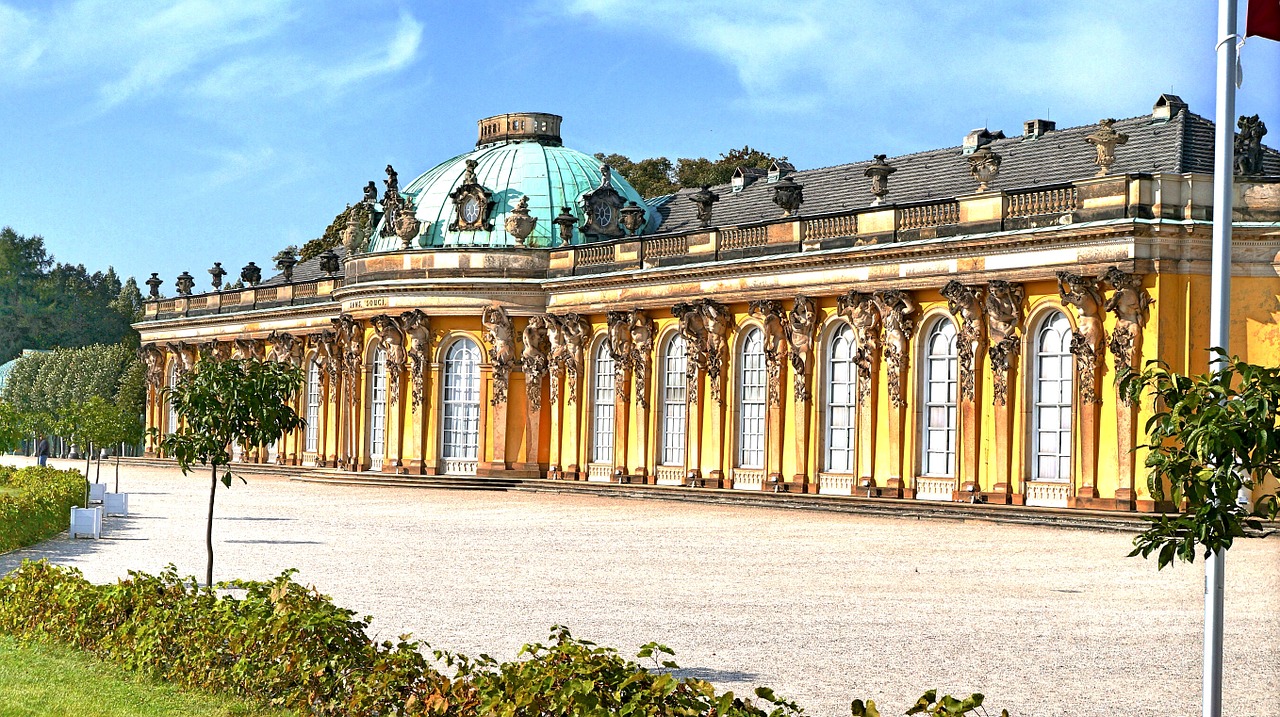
[[286, 645], [39, 506]]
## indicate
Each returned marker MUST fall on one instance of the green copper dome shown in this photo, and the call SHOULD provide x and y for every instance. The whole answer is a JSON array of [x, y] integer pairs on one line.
[[509, 165]]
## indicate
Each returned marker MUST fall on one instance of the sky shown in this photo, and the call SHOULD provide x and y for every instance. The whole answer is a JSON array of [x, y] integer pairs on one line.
[[163, 136]]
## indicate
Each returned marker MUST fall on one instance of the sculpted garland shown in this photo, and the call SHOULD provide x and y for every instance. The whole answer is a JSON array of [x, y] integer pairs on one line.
[[896, 307], [618, 342], [1004, 319], [801, 323], [533, 358], [642, 331], [965, 303], [417, 327]]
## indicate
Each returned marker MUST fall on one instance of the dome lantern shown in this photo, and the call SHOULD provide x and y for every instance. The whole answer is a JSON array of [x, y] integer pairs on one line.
[[519, 126]]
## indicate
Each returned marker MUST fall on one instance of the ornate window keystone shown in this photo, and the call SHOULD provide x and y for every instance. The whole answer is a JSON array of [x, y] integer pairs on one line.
[[472, 203], [602, 207]]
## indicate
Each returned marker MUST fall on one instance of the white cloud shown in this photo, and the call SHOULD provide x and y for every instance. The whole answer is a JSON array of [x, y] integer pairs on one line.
[[806, 54], [209, 49]]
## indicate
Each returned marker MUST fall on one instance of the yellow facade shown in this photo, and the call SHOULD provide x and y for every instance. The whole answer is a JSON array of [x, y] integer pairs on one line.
[[1148, 230]]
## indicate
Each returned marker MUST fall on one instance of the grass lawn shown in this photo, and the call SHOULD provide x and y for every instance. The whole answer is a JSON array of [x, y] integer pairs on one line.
[[39, 680]]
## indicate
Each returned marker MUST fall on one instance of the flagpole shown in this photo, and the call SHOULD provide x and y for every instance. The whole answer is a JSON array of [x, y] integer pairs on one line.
[[1220, 319]]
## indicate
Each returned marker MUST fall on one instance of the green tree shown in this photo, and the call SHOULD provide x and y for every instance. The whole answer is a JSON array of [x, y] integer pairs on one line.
[[658, 176], [223, 403], [46, 304], [12, 428], [1212, 435]]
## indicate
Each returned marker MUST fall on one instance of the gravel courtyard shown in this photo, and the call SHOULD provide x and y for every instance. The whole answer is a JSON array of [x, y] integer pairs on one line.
[[821, 607]]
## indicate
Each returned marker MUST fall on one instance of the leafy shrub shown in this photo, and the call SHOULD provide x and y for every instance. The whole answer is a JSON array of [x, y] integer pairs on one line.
[[38, 504], [286, 645]]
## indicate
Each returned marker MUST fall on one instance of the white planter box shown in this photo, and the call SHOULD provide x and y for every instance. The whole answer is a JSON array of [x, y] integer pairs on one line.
[[86, 521], [96, 492], [116, 503]]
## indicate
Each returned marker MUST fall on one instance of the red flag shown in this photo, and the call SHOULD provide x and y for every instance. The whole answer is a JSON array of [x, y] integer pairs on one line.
[[1264, 19]]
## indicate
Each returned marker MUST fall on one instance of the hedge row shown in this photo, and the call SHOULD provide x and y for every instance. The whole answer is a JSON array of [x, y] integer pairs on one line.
[[285, 645], [39, 505]]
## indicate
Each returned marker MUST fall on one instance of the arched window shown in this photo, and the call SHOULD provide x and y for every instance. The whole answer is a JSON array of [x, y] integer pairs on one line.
[[1052, 394], [751, 398], [313, 406], [674, 363], [173, 413], [938, 422], [842, 392], [461, 435], [603, 372], [378, 408]]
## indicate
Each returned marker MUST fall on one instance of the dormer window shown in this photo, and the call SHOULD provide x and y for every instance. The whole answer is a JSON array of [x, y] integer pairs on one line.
[[744, 176], [779, 169]]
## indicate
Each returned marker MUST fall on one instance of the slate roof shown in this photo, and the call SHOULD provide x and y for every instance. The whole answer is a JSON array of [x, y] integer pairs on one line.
[[305, 271], [1181, 144]]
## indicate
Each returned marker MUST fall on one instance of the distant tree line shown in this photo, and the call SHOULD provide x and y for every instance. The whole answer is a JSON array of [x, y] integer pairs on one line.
[[45, 387], [657, 176], [46, 304]]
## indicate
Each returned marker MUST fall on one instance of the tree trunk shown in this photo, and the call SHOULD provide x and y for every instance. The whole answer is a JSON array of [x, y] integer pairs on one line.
[[117, 472], [87, 457], [208, 530]]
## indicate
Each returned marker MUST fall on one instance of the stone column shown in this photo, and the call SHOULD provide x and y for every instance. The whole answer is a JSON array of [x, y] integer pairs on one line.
[[642, 336], [430, 431], [800, 326]]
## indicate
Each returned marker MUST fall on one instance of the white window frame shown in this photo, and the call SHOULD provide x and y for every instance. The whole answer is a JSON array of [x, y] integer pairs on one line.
[[939, 408], [1052, 396], [753, 389], [378, 407], [841, 402], [460, 414], [603, 374], [313, 407], [172, 426], [675, 408]]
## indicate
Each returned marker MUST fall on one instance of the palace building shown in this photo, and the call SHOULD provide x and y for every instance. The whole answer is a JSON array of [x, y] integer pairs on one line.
[[942, 326]]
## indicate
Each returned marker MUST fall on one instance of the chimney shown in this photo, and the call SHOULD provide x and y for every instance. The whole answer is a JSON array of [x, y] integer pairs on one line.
[[1031, 129], [1167, 107], [979, 138]]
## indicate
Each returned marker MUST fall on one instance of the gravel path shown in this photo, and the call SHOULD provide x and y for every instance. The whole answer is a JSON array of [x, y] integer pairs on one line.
[[821, 607]]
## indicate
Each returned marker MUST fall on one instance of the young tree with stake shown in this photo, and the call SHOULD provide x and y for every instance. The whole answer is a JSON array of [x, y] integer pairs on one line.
[[245, 401]]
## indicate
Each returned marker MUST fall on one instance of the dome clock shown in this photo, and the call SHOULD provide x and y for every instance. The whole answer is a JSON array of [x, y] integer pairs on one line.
[[472, 203], [602, 207]]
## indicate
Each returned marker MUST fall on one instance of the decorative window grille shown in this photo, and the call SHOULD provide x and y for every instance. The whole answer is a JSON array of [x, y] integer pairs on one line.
[[602, 405], [674, 407], [842, 392], [938, 423], [751, 401], [1052, 394], [378, 407], [462, 402], [313, 407]]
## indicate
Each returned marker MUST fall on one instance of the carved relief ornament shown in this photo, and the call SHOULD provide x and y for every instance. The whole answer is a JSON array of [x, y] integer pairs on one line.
[[896, 309], [965, 303], [1088, 337], [390, 339], [1129, 303], [1004, 320], [534, 358], [860, 311], [693, 328], [567, 335], [500, 335], [417, 328], [642, 332], [472, 203], [770, 314], [801, 323]]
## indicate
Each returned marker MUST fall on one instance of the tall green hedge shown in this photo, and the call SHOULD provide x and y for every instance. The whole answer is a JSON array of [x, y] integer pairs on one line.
[[37, 505], [44, 387]]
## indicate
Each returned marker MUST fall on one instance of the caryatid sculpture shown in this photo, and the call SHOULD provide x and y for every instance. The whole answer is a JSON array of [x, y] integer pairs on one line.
[[716, 320], [391, 340], [417, 328], [770, 313], [801, 323], [1088, 337], [693, 328], [284, 348], [327, 359], [965, 303], [1129, 303], [533, 358], [896, 309], [153, 359], [642, 331], [1004, 319], [574, 331], [500, 336], [860, 311]]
